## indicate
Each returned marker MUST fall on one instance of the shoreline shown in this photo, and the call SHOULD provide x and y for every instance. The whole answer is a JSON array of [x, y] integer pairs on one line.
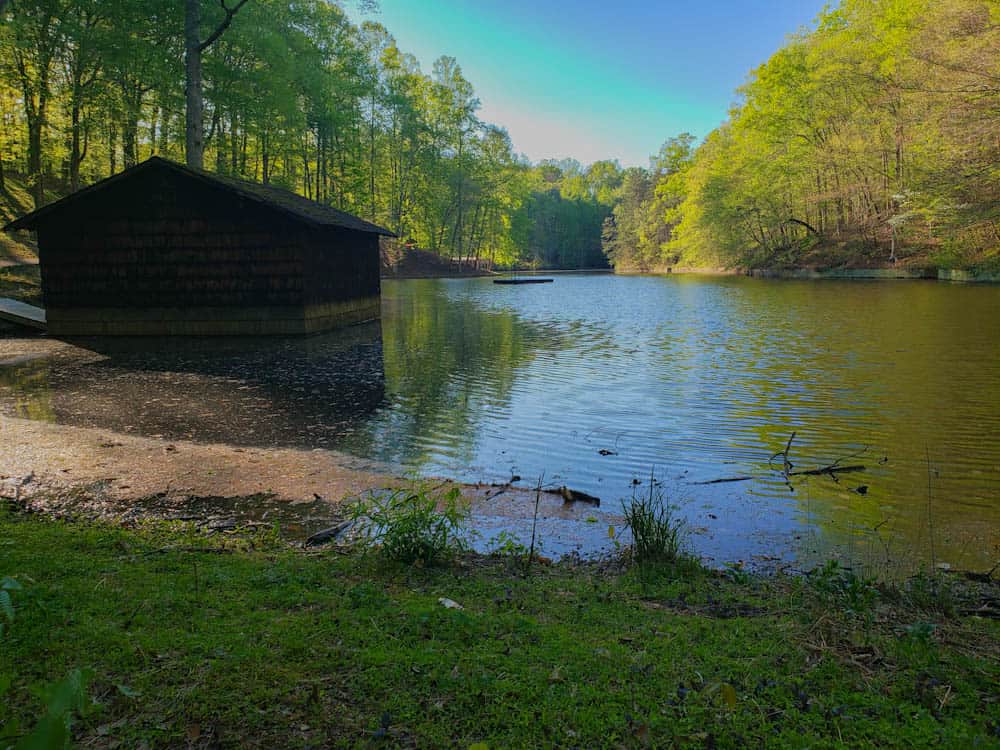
[[62, 470], [843, 274]]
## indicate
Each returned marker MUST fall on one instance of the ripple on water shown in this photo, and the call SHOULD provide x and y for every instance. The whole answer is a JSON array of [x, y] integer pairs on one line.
[[596, 381]]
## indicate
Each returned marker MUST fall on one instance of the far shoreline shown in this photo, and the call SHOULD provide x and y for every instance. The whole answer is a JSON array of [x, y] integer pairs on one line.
[[842, 274]]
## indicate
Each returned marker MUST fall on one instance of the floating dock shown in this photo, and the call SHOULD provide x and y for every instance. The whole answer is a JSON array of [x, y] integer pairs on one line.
[[523, 281], [22, 314]]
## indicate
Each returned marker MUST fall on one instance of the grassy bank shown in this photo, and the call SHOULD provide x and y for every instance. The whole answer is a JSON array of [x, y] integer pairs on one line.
[[21, 282], [240, 641], [15, 201]]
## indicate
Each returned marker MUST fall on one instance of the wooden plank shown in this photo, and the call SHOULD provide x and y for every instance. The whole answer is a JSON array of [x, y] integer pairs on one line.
[[22, 313]]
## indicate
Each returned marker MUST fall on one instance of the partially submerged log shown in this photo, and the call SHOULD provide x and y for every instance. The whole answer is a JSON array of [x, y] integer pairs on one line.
[[328, 535], [832, 469], [574, 496], [725, 479]]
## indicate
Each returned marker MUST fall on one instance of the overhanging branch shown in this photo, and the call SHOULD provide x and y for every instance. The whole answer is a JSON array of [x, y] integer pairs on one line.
[[230, 12]]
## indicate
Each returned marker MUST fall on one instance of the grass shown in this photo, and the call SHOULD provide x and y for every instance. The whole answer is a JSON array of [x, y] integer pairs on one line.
[[411, 525], [657, 536], [21, 283], [240, 642], [16, 201], [19, 277]]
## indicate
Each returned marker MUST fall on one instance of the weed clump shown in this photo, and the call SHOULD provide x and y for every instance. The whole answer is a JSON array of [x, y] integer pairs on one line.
[[836, 586], [657, 535], [415, 525]]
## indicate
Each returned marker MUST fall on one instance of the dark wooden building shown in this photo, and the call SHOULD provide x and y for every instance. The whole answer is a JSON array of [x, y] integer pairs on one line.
[[161, 249]]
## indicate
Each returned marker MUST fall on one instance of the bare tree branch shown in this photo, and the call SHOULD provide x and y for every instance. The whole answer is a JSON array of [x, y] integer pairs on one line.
[[230, 12]]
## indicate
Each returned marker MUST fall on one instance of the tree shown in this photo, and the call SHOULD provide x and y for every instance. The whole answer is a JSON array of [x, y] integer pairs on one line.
[[34, 42], [194, 46]]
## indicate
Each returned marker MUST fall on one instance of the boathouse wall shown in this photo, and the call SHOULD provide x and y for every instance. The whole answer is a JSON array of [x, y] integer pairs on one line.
[[164, 254]]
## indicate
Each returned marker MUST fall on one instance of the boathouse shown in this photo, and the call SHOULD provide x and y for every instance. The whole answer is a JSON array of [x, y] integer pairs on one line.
[[162, 249]]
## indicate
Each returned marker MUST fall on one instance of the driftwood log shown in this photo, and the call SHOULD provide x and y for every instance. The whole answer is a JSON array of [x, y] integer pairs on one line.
[[574, 496], [328, 535]]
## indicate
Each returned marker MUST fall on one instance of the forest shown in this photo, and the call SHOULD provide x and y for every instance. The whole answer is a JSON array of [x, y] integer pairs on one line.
[[297, 96], [873, 139], [870, 140]]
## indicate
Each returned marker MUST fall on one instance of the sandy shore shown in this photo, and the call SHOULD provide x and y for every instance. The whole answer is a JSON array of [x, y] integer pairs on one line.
[[52, 467]]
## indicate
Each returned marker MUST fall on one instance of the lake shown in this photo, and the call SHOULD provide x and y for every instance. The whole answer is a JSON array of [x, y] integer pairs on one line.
[[599, 381]]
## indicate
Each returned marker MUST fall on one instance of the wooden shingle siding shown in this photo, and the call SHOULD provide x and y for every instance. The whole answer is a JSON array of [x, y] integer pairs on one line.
[[164, 250]]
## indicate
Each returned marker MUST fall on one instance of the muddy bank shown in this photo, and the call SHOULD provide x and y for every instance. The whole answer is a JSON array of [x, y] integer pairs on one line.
[[62, 470]]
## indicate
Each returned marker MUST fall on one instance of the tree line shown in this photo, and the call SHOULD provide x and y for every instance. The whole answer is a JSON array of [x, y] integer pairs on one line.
[[294, 95], [874, 138]]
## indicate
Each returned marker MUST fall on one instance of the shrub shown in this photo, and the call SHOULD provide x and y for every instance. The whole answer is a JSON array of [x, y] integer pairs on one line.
[[412, 525]]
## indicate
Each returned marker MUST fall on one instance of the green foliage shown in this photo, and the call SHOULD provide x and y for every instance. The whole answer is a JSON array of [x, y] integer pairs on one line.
[[281, 648], [63, 701], [413, 525], [296, 96], [842, 588], [875, 130], [506, 544], [559, 222], [636, 235], [657, 535], [7, 585], [927, 592]]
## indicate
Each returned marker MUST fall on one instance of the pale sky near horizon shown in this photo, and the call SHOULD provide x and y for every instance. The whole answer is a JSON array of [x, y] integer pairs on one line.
[[594, 80]]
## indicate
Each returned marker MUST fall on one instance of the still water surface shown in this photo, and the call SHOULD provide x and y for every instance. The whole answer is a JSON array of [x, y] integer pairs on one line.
[[597, 381]]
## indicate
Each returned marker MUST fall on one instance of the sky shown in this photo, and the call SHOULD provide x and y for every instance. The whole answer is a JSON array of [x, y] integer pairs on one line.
[[597, 80]]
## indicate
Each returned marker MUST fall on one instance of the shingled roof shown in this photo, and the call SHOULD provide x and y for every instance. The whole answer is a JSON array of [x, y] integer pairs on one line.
[[277, 198]]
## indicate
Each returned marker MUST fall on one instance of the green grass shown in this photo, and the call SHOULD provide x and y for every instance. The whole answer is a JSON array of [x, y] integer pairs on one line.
[[21, 283], [19, 277], [240, 641], [16, 201]]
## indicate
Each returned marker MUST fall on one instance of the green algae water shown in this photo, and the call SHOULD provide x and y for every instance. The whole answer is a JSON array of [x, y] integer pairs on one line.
[[598, 382]]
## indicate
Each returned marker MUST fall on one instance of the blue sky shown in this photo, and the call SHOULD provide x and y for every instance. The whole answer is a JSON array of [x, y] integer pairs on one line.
[[594, 80]]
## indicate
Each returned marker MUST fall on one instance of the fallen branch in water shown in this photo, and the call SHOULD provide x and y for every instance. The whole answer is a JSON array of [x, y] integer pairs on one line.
[[832, 469], [786, 470], [786, 464], [574, 496], [725, 479]]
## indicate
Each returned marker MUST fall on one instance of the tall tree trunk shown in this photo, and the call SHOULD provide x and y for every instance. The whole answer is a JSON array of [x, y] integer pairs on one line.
[[112, 149], [234, 145], [130, 134], [219, 128], [461, 189], [75, 156], [265, 159], [371, 160], [35, 174], [194, 148], [194, 143]]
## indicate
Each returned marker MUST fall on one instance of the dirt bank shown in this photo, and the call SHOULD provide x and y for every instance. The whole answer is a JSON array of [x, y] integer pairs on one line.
[[99, 473], [413, 263]]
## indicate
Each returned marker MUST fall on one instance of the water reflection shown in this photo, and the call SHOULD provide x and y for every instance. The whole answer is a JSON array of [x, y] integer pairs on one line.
[[597, 380], [298, 392]]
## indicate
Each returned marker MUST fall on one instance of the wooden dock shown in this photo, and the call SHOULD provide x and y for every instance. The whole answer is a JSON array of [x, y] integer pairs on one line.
[[22, 314]]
